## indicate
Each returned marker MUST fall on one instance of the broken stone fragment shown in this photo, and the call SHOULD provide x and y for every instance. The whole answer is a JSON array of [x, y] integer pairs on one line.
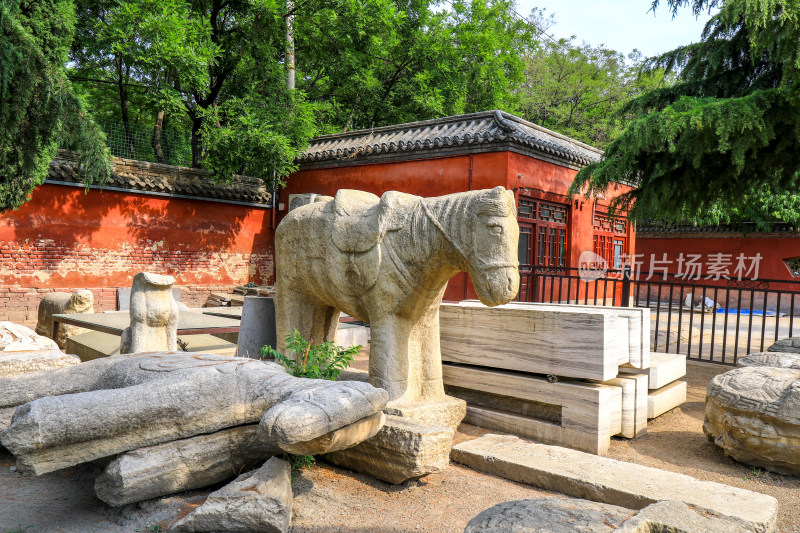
[[403, 449], [109, 406], [790, 345], [182, 465], [16, 338], [256, 502]]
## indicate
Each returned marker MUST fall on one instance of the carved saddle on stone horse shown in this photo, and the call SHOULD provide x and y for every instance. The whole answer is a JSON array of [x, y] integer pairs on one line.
[[360, 224]]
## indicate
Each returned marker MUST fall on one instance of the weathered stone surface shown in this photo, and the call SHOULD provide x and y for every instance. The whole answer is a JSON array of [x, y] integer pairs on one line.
[[16, 338], [154, 315], [256, 502], [672, 516], [790, 345], [258, 326], [666, 398], [610, 481], [15, 363], [447, 412], [116, 404], [340, 439], [549, 515], [773, 359], [664, 369], [182, 465], [403, 449], [753, 414], [80, 302], [386, 261]]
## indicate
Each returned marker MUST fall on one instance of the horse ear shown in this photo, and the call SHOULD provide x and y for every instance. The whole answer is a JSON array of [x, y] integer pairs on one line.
[[396, 207]]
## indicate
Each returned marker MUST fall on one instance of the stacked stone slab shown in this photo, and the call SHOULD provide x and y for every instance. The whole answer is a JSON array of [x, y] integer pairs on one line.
[[177, 421], [553, 374], [665, 388]]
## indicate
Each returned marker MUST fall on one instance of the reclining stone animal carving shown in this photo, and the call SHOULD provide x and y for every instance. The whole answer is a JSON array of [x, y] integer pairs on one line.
[[81, 301], [387, 262], [111, 405]]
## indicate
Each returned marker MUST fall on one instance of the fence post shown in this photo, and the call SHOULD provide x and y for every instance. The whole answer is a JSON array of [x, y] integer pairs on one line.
[[626, 287]]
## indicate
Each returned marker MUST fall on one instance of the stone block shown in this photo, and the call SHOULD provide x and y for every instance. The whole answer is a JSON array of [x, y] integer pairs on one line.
[[256, 502], [258, 326], [664, 369], [671, 516], [568, 413], [447, 412], [634, 404], [403, 449], [637, 319], [352, 335], [662, 400], [16, 363], [16, 338], [753, 414], [610, 481], [576, 343], [182, 465]]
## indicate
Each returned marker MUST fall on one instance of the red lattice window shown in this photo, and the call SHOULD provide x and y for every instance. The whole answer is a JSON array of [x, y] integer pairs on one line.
[[543, 233], [610, 238]]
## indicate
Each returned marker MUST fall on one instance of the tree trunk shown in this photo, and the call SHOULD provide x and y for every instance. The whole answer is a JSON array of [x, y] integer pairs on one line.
[[290, 70], [123, 104], [197, 151], [155, 140]]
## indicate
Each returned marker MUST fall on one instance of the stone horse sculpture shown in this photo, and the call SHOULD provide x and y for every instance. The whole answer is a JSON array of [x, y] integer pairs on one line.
[[387, 262]]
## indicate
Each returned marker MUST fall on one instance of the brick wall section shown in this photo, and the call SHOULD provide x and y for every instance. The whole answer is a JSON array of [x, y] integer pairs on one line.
[[21, 304]]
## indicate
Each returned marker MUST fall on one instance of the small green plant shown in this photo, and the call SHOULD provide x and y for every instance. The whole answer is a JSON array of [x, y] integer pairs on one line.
[[153, 528], [299, 462], [324, 361], [20, 529]]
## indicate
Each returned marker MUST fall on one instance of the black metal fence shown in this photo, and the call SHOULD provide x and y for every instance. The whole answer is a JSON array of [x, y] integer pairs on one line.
[[708, 320]]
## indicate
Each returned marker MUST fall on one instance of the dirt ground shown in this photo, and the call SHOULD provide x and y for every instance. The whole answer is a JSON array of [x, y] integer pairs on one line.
[[330, 499]]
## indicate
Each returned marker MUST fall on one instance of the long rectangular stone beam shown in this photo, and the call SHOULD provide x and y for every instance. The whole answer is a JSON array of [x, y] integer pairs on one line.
[[610, 481], [638, 325], [571, 343]]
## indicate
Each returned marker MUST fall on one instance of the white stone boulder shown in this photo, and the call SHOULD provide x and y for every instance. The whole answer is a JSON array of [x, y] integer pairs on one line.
[[753, 414], [790, 345], [79, 302], [773, 359], [16, 338], [256, 502]]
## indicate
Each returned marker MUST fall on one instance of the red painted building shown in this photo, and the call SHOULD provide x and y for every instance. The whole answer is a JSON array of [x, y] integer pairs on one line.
[[476, 151], [146, 217]]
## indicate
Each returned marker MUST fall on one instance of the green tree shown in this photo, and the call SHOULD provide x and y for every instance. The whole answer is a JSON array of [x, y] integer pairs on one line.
[[38, 107], [711, 146], [579, 90]]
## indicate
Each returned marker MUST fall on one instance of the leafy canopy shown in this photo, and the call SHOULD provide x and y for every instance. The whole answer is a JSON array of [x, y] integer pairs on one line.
[[38, 108], [723, 143]]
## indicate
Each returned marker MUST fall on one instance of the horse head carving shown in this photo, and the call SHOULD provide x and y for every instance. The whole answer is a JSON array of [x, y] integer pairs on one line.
[[387, 262]]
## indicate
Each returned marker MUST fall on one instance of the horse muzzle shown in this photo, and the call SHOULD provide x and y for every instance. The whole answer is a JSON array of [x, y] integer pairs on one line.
[[496, 285]]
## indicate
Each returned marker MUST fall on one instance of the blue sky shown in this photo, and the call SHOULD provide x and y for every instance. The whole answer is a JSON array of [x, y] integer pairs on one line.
[[621, 25]]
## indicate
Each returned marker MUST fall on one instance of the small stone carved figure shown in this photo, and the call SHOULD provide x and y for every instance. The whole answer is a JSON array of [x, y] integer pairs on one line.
[[53, 303], [387, 261], [154, 315]]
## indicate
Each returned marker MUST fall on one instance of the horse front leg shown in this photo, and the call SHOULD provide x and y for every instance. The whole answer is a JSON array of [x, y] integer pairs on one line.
[[426, 356], [388, 358]]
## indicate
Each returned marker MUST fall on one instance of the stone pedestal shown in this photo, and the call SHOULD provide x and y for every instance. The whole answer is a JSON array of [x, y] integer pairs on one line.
[[258, 326], [447, 412]]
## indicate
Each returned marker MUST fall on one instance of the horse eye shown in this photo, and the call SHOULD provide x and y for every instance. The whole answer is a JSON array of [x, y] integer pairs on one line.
[[497, 230]]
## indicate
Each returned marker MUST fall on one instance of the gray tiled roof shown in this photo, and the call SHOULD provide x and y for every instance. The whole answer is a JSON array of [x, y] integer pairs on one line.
[[163, 180], [487, 131], [656, 230]]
